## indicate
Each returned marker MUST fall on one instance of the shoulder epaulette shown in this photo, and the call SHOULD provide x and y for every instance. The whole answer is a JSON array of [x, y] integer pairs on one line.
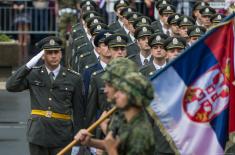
[[129, 44], [85, 54], [90, 65], [117, 30], [84, 44], [98, 72], [73, 72], [143, 68], [78, 38], [131, 56], [37, 67]]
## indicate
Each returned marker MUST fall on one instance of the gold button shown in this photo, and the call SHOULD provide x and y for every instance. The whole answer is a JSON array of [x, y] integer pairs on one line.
[[50, 99]]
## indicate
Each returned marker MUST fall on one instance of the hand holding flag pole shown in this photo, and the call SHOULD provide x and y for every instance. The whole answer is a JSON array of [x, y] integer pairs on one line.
[[90, 129]]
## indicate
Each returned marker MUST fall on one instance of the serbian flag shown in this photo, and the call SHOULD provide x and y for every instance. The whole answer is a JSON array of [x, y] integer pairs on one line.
[[195, 94]]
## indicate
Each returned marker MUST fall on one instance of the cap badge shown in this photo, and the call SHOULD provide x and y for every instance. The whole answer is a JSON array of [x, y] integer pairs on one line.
[[177, 17], [96, 21], [52, 42], [98, 27], [129, 10], [198, 30], [185, 20], [144, 20], [175, 41], [219, 17], [158, 38], [135, 16], [88, 3], [88, 8], [107, 35], [163, 2], [168, 8], [207, 10], [202, 4], [119, 39], [92, 15], [122, 2], [144, 29]]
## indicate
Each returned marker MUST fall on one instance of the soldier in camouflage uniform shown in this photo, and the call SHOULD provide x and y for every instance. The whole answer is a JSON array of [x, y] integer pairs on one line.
[[135, 132], [56, 99]]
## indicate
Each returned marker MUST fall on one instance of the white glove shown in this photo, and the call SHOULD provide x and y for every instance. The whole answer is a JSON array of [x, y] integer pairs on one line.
[[34, 60]]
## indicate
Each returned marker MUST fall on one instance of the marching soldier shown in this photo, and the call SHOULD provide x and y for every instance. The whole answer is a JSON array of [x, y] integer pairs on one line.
[[217, 18], [196, 14], [135, 134], [56, 99], [159, 54]]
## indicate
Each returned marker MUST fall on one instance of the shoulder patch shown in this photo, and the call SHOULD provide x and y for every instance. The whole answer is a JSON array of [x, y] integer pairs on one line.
[[73, 72]]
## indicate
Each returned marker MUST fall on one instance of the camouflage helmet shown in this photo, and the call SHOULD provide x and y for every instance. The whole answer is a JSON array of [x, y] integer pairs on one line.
[[139, 89], [118, 67]]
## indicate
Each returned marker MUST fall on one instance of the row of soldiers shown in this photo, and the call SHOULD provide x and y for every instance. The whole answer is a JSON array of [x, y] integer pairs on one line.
[[150, 44]]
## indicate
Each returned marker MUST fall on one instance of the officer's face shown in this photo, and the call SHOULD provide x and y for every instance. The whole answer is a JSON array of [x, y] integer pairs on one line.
[[131, 28], [198, 16], [206, 21], [121, 99], [143, 43], [173, 53], [164, 18], [158, 52], [103, 50], [118, 52], [183, 31], [193, 39], [52, 58], [109, 90], [175, 28]]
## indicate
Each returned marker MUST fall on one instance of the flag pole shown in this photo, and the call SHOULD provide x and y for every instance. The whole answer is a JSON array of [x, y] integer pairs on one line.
[[90, 129]]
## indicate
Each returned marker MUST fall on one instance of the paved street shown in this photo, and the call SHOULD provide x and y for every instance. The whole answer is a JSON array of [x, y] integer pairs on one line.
[[14, 111]]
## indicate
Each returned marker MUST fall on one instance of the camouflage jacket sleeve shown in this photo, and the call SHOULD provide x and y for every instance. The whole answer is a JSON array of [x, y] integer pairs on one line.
[[18, 81]]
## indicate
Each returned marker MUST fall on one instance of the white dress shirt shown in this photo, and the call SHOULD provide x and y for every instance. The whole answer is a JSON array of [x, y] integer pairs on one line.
[[158, 66], [55, 71], [142, 58]]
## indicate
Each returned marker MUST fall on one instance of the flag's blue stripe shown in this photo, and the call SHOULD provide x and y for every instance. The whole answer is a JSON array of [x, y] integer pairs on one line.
[[220, 126], [194, 63]]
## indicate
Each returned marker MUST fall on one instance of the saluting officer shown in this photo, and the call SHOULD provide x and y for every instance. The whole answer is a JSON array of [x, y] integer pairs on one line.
[[56, 99]]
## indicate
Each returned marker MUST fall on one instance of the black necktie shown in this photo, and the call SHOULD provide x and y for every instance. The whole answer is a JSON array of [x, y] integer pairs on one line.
[[51, 75], [168, 33], [146, 61]]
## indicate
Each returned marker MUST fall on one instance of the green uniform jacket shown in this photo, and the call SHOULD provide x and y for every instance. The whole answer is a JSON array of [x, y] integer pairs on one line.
[[136, 136], [64, 96]]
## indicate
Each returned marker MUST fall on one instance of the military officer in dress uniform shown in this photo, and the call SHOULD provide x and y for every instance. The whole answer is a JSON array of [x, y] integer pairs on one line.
[[196, 14], [207, 12], [104, 57], [118, 6], [159, 54], [56, 99], [184, 23], [97, 103], [174, 46], [142, 35], [216, 19], [172, 21], [195, 33]]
